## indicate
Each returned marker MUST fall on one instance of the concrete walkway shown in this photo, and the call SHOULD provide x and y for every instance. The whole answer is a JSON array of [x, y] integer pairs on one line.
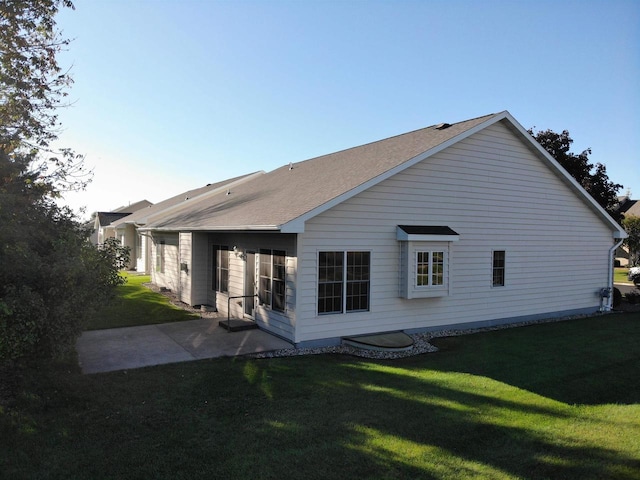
[[135, 347]]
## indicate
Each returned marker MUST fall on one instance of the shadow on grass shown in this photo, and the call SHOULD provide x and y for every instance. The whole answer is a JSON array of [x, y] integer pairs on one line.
[[587, 361], [482, 408]]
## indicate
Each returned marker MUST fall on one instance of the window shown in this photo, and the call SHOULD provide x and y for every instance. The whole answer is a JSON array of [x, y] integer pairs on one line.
[[279, 272], [271, 289], [498, 268], [160, 256], [220, 269], [425, 260], [429, 269], [343, 282]]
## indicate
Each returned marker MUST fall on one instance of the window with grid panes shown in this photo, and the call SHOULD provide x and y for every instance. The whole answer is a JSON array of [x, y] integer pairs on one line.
[[343, 281]]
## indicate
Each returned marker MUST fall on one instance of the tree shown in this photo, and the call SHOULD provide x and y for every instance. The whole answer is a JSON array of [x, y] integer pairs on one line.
[[51, 277], [631, 224], [596, 183]]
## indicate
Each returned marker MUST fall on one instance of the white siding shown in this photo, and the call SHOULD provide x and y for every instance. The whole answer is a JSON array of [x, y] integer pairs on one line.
[[170, 278], [184, 267], [280, 323], [142, 264], [498, 195]]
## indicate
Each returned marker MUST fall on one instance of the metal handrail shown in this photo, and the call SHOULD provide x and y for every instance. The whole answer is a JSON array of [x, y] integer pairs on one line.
[[229, 308]]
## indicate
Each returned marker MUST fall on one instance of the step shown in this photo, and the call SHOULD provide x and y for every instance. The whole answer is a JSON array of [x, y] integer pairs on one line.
[[237, 324], [390, 341]]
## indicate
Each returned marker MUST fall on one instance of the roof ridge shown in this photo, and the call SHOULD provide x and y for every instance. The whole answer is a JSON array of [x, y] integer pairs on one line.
[[394, 136]]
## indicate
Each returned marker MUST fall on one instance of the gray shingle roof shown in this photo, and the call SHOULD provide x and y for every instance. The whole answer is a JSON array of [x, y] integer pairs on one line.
[[285, 194], [631, 208], [133, 207], [142, 216], [107, 218]]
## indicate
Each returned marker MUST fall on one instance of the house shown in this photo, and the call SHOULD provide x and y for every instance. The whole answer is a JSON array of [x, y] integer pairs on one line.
[[454, 225], [102, 224], [127, 227], [627, 208]]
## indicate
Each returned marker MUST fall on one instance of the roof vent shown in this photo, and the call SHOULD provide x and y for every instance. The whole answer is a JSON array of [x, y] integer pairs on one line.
[[290, 165], [442, 126], [228, 192]]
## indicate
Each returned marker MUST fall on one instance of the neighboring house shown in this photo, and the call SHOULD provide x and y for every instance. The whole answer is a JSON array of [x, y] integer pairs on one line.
[[468, 224], [627, 208], [103, 222], [127, 227]]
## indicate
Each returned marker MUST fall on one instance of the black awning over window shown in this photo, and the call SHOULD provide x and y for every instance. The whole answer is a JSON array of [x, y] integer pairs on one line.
[[427, 230]]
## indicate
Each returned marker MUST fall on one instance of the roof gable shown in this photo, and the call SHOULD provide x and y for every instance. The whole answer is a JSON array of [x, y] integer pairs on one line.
[[287, 197], [294, 192], [107, 218]]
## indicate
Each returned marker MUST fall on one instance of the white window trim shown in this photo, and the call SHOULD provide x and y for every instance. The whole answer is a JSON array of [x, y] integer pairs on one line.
[[408, 270], [344, 252], [429, 284]]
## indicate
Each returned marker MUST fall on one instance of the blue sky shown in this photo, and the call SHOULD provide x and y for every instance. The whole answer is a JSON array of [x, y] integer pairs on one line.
[[172, 95]]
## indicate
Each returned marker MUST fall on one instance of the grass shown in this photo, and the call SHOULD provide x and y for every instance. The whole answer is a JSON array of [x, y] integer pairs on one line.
[[137, 305], [557, 400], [620, 275]]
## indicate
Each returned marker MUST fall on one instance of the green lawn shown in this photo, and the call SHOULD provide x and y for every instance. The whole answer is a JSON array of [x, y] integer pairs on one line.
[[137, 305], [620, 275], [557, 400]]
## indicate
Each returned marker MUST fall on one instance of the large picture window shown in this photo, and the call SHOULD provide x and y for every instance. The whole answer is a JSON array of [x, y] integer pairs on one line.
[[343, 282], [429, 269], [220, 268], [271, 289]]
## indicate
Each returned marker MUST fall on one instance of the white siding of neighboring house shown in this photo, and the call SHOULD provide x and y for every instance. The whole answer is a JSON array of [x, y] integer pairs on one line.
[[184, 266], [493, 191], [128, 238], [142, 253], [170, 277]]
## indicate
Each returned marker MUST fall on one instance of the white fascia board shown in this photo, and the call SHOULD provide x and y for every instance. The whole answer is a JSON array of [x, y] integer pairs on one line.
[[407, 237], [559, 169], [297, 224], [235, 228]]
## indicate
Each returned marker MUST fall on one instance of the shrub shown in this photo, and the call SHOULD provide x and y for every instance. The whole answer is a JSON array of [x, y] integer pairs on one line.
[[633, 297], [617, 297]]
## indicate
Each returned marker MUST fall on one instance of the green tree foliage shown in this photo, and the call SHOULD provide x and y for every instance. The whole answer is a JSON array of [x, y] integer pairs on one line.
[[631, 224], [593, 178], [51, 277]]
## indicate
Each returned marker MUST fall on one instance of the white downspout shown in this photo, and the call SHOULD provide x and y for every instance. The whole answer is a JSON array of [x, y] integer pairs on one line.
[[609, 305]]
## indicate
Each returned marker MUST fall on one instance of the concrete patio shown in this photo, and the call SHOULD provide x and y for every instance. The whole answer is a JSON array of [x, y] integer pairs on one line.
[[135, 347]]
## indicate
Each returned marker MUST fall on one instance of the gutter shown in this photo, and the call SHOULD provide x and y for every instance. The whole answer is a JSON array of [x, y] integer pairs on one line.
[[234, 228]]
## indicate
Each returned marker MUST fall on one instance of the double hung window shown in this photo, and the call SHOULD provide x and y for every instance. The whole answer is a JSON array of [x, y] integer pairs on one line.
[[220, 268], [160, 260], [271, 289], [343, 282]]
